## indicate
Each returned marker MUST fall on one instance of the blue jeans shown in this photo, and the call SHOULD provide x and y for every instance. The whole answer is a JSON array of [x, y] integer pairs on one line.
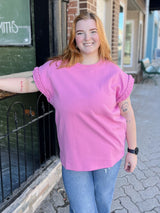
[[90, 191]]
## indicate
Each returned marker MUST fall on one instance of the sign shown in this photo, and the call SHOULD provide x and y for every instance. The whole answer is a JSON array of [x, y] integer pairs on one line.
[[15, 23]]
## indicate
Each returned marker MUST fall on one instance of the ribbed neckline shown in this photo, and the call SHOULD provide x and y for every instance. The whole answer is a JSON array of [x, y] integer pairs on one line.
[[89, 65]]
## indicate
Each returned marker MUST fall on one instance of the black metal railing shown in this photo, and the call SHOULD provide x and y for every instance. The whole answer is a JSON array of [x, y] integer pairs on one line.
[[29, 140]]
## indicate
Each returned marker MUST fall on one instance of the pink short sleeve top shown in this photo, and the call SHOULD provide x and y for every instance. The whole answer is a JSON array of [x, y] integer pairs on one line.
[[91, 132]]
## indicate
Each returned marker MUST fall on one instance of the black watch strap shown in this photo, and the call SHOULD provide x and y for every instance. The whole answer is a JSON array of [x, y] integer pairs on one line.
[[134, 151]]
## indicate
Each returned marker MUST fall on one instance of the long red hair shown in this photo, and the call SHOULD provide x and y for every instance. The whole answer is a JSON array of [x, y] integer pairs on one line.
[[71, 55]]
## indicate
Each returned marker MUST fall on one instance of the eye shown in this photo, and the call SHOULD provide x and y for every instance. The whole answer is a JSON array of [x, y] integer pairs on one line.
[[79, 33], [94, 31]]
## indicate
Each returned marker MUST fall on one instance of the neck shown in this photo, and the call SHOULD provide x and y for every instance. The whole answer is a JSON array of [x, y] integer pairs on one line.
[[87, 59]]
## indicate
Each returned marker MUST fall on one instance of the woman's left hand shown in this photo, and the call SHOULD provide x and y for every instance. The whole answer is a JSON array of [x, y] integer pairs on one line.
[[130, 162]]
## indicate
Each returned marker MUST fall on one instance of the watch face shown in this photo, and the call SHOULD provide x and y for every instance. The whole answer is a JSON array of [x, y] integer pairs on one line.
[[136, 150]]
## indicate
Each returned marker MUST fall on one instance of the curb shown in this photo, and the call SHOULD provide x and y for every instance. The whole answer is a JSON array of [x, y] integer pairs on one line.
[[32, 197]]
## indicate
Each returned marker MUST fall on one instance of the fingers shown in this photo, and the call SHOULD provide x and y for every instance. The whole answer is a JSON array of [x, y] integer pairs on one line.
[[130, 162], [129, 167]]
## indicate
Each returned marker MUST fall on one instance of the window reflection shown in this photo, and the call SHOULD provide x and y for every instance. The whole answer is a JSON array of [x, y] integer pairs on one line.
[[120, 38], [128, 44]]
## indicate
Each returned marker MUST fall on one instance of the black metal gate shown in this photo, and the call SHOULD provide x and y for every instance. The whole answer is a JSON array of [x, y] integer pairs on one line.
[[30, 140]]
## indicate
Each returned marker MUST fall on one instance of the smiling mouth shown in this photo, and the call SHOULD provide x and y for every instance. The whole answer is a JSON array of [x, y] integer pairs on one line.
[[88, 44]]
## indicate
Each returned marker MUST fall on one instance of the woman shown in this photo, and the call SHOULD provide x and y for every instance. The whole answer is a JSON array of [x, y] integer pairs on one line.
[[94, 115]]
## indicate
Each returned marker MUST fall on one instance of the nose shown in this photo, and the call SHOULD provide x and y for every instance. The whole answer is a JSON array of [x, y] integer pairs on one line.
[[87, 36]]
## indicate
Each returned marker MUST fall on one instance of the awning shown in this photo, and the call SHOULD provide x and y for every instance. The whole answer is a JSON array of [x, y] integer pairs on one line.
[[154, 5]]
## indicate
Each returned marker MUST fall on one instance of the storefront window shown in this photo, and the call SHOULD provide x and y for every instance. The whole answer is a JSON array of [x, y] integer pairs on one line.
[[128, 44]]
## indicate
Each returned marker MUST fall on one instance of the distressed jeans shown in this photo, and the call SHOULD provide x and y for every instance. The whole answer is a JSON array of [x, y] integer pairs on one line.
[[90, 191]]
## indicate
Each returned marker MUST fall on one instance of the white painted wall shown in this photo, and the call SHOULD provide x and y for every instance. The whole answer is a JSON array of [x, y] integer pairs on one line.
[[104, 11]]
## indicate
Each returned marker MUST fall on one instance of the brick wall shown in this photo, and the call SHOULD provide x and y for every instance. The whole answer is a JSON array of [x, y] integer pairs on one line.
[[72, 12], [115, 29], [87, 5]]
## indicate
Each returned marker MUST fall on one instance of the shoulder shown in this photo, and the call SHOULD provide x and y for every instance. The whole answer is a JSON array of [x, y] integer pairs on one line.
[[117, 75], [113, 70], [47, 68], [114, 67], [117, 71], [50, 65]]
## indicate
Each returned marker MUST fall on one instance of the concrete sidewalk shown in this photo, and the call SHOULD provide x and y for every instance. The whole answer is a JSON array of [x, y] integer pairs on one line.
[[138, 192]]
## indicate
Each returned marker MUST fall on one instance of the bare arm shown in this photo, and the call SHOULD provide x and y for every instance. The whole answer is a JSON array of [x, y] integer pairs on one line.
[[18, 85], [127, 112]]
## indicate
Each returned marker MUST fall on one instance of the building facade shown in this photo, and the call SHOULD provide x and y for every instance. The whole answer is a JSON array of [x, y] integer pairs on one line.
[[153, 37], [29, 35]]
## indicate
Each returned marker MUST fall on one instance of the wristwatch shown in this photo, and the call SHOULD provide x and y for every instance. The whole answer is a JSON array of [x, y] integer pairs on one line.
[[134, 151]]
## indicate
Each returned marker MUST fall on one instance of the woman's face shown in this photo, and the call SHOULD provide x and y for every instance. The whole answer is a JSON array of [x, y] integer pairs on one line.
[[87, 38]]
